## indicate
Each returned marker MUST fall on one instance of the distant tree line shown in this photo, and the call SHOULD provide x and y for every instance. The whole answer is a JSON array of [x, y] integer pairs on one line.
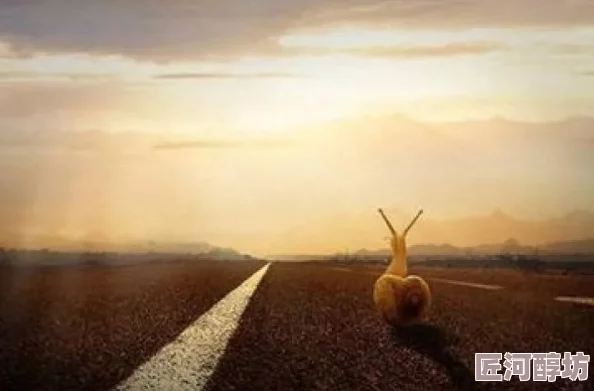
[[528, 263], [45, 257]]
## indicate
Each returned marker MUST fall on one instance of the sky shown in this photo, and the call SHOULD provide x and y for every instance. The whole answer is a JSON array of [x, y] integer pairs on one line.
[[239, 122]]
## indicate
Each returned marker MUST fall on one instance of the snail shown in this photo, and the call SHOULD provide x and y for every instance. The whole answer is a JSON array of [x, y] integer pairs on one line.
[[401, 299]]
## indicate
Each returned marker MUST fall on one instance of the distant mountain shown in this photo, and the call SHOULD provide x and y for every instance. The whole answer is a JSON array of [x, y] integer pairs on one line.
[[42, 142], [510, 246], [499, 226], [203, 249], [585, 246], [419, 249], [350, 232], [223, 253]]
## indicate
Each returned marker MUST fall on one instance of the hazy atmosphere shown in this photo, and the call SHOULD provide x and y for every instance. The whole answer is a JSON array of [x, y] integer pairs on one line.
[[280, 127]]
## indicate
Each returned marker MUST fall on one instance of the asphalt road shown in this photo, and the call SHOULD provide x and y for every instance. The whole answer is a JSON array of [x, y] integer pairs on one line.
[[300, 326], [89, 328], [314, 327]]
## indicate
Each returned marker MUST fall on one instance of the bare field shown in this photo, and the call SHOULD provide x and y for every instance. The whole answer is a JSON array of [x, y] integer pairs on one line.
[[308, 326]]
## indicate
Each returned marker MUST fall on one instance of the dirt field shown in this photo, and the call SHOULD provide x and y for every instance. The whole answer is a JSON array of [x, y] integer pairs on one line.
[[308, 326]]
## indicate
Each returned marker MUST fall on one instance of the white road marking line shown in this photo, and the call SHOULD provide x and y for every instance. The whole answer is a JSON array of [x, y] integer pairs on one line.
[[468, 284], [576, 299], [188, 362], [445, 280]]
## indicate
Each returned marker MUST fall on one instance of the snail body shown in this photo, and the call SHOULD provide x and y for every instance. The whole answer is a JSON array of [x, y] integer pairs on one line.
[[401, 299]]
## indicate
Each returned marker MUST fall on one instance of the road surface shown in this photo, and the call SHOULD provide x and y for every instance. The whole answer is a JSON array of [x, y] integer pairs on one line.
[[293, 326]]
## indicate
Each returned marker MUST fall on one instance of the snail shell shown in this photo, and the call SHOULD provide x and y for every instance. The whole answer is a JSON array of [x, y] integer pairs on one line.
[[402, 300]]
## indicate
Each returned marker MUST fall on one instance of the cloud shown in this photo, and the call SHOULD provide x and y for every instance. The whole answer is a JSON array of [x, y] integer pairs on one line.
[[187, 29], [23, 100], [454, 49], [152, 30], [572, 49], [5, 51], [18, 76], [463, 13], [221, 75], [220, 144]]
